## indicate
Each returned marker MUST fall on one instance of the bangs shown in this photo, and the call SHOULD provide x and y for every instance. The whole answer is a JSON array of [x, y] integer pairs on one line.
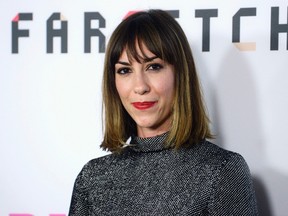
[[138, 32]]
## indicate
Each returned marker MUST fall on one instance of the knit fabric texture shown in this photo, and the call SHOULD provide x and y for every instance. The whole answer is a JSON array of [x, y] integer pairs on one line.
[[147, 178]]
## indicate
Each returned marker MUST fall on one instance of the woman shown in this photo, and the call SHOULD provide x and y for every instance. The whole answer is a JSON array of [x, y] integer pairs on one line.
[[152, 97]]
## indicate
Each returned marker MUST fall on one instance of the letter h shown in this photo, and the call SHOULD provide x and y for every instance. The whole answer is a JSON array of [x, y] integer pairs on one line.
[[277, 28]]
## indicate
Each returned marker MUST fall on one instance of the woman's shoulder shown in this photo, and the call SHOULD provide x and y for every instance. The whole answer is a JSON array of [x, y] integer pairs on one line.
[[94, 168], [205, 153], [210, 154], [232, 182], [101, 163], [203, 156]]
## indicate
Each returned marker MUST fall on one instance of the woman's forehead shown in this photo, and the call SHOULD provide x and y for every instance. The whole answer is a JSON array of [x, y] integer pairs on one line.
[[139, 52]]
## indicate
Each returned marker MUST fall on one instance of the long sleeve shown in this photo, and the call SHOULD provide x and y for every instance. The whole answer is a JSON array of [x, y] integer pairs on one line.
[[234, 192], [79, 201]]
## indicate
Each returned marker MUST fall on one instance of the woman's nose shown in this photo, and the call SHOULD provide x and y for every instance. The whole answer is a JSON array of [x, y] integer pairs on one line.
[[141, 85]]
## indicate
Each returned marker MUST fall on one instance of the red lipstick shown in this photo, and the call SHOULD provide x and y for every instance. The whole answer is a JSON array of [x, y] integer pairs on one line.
[[143, 105]]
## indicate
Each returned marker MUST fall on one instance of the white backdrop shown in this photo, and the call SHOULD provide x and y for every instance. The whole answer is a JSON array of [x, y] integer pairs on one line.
[[50, 103]]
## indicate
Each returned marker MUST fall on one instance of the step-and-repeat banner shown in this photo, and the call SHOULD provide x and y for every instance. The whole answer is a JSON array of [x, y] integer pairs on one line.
[[51, 62]]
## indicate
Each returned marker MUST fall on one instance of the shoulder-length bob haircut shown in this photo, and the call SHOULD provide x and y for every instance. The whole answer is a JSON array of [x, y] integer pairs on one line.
[[164, 37]]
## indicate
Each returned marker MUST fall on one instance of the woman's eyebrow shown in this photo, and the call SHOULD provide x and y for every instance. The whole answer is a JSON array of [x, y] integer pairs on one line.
[[145, 60], [149, 59], [123, 63]]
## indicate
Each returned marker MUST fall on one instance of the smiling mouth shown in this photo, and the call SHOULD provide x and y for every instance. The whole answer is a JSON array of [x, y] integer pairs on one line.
[[144, 105]]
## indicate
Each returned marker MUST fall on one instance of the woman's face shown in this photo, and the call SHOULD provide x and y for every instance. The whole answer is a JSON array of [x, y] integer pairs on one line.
[[147, 92]]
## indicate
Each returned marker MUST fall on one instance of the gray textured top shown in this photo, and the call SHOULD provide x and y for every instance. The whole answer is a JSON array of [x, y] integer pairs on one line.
[[149, 179]]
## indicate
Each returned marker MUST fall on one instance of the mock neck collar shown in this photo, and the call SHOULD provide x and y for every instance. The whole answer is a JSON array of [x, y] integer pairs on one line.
[[149, 144]]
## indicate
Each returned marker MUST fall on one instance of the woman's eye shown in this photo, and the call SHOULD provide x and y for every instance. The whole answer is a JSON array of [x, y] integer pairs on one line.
[[155, 67], [123, 71]]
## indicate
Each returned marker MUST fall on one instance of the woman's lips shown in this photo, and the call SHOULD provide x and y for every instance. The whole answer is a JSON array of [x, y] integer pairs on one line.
[[144, 105]]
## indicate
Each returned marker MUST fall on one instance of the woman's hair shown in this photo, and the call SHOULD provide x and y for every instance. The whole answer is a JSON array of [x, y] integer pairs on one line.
[[164, 37]]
